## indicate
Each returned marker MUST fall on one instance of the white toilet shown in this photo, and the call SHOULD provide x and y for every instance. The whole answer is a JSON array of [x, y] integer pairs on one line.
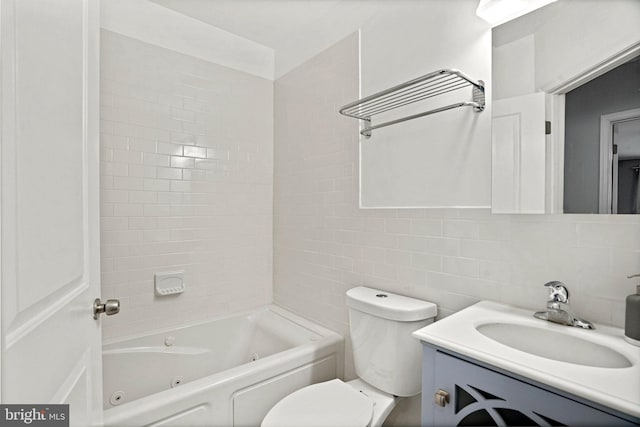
[[387, 361]]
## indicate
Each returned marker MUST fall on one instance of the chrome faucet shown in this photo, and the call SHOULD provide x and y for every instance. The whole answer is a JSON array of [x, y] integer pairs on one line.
[[559, 294]]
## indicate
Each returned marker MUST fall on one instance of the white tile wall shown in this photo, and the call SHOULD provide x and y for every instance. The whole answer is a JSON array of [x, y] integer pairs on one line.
[[187, 183], [325, 245]]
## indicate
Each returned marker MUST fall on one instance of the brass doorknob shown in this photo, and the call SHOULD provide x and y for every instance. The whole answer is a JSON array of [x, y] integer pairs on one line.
[[441, 398], [110, 307]]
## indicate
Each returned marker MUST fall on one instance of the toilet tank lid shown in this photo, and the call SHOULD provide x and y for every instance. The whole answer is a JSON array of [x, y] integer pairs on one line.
[[390, 306]]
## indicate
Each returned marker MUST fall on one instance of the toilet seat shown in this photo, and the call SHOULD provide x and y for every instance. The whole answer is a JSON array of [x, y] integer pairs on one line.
[[327, 404]]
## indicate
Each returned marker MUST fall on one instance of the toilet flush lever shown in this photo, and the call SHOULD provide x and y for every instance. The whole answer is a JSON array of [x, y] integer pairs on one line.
[[109, 307], [441, 398]]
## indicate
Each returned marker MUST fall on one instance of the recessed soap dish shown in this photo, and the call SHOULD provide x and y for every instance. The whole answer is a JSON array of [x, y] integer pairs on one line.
[[169, 283]]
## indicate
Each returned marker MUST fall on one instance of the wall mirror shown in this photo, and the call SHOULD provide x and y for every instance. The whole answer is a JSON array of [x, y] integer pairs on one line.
[[566, 109]]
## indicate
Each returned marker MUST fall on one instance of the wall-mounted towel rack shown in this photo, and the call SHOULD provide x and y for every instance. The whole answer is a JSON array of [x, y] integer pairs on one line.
[[428, 86]]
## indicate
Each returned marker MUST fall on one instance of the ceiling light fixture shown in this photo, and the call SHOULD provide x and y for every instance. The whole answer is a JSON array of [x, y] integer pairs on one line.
[[497, 12]]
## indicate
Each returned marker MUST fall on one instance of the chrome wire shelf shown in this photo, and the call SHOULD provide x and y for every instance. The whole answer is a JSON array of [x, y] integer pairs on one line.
[[428, 86]]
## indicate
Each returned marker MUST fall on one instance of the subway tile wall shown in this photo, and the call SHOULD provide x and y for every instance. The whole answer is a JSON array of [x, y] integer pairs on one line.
[[325, 245], [186, 184]]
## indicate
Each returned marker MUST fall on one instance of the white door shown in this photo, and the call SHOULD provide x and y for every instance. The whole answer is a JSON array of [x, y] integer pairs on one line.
[[49, 205], [518, 154]]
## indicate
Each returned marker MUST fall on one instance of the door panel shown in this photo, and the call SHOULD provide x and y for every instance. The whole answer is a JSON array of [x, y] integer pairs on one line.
[[50, 223], [49, 148]]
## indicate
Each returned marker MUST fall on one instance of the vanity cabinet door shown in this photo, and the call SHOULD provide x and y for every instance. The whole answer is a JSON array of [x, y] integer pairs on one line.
[[481, 397]]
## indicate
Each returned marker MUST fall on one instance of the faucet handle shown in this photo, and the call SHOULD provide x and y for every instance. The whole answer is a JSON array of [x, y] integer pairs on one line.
[[633, 275], [558, 292]]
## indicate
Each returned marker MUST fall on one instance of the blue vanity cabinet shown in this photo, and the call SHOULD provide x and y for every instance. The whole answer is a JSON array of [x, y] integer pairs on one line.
[[474, 394]]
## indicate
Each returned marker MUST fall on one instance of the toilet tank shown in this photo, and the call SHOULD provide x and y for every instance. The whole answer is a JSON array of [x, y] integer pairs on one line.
[[385, 354]]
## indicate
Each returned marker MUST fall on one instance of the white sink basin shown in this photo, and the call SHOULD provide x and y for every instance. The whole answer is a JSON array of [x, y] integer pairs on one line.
[[597, 365], [553, 345]]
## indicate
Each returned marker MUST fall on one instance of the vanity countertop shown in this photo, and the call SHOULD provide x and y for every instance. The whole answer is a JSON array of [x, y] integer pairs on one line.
[[617, 388]]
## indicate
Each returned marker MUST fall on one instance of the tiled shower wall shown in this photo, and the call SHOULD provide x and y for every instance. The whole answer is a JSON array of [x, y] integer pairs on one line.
[[187, 184], [325, 245]]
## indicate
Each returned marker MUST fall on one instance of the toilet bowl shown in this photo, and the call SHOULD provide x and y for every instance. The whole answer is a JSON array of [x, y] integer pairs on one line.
[[387, 360]]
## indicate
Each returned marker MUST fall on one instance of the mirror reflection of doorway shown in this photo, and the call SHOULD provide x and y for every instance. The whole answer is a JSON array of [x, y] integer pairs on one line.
[[619, 156], [602, 116], [625, 146]]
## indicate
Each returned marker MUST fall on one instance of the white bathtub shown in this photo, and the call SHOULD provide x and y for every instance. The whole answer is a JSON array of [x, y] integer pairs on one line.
[[224, 372]]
